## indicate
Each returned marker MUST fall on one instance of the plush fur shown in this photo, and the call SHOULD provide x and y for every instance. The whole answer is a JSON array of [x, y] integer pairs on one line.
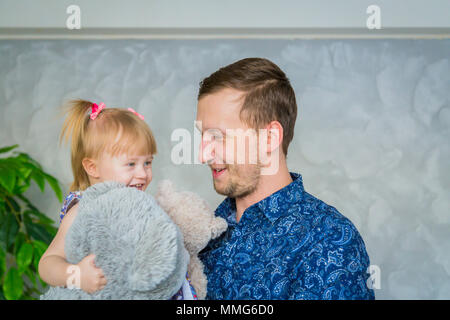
[[138, 247], [197, 223]]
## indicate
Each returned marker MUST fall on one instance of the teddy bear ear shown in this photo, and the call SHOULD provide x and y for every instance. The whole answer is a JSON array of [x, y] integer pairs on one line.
[[218, 226]]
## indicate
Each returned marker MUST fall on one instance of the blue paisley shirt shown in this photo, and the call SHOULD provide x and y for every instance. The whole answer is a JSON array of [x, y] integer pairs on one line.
[[289, 245]]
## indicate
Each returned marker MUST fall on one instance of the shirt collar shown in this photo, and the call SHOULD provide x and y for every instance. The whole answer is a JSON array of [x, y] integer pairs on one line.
[[269, 206]]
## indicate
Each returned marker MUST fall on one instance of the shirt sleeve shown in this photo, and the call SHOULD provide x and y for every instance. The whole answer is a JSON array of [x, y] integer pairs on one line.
[[71, 199], [334, 268]]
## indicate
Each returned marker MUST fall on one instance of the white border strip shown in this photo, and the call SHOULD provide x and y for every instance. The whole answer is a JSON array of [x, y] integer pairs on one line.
[[226, 33]]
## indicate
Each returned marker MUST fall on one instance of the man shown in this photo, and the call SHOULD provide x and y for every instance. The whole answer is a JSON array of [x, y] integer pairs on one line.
[[282, 242]]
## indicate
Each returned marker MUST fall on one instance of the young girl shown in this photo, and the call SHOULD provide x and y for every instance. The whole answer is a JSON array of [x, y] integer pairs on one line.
[[106, 144]]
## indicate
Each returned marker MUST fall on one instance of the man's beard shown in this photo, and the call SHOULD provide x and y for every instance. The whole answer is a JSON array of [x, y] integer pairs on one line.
[[240, 183]]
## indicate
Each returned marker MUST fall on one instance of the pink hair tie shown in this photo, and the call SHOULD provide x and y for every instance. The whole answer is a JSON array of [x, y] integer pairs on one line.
[[139, 115], [96, 109]]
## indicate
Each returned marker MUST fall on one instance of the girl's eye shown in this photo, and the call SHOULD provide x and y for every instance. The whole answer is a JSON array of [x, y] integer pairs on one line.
[[131, 164], [148, 163]]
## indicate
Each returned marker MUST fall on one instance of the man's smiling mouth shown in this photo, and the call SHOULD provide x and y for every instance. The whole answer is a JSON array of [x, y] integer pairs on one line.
[[218, 172]]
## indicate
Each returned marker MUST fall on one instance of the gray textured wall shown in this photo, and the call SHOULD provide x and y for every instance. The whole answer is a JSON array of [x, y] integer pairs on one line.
[[372, 136]]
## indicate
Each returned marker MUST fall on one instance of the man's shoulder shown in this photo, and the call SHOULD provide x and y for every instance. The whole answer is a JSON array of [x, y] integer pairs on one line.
[[316, 211], [324, 223], [334, 254]]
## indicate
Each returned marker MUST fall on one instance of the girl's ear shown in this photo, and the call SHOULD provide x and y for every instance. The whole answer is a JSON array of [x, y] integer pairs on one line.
[[90, 166]]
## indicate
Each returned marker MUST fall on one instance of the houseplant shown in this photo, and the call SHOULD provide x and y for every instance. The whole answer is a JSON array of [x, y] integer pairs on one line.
[[25, 232]]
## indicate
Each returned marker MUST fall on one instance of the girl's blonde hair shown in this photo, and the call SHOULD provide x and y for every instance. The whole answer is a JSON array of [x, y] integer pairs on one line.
[[115, 131]]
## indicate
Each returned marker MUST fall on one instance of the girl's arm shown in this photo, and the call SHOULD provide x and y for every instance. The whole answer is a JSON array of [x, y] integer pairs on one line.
[[54, 269]]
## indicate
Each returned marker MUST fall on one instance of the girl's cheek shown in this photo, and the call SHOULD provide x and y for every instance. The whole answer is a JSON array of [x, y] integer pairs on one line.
[[150, 177]]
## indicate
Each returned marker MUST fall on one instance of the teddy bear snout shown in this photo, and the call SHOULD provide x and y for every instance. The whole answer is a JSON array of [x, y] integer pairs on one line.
[[218, 226]]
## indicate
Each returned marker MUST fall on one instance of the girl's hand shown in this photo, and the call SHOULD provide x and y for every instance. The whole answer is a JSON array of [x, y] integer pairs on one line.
[[91, 278]]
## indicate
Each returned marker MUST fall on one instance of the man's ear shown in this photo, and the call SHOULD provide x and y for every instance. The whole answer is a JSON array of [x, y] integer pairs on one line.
[[274, 135], [90, 166], [270, 148]]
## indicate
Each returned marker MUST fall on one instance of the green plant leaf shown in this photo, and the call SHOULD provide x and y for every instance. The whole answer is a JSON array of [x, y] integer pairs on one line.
[[13, 285], [20, 239], [39, 247], [28, 161], [39, 217], [31, 275], [39, 178], [7, 177], [36, 262], [36, 259], [7, 149], [28, 202], [24, 257], [21, 186], [42, 282], [2, 262], [55, 186], [3, 230], [8, 229], [12, 205], [51, 230], [20, 222], [10, 162], [37, 231], [24, 171]]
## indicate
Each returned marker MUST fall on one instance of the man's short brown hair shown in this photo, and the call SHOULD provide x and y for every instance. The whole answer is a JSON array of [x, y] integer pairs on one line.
[[268, 93]]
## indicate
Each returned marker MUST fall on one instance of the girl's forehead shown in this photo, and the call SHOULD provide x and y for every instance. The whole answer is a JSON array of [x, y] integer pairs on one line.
[[129, 147], [138, 156], [129, 156]]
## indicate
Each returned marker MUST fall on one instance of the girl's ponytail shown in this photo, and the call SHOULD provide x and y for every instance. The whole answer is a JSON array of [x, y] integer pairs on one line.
[[75, 127]]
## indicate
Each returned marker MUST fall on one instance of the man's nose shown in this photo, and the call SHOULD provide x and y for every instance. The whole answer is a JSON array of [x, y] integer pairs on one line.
[[207, 152]]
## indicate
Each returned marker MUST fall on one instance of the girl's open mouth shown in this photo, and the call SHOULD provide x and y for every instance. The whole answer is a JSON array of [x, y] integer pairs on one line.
[[139, 186]]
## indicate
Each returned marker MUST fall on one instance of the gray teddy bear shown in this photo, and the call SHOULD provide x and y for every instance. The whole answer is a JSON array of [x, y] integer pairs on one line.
[[136, 244]]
